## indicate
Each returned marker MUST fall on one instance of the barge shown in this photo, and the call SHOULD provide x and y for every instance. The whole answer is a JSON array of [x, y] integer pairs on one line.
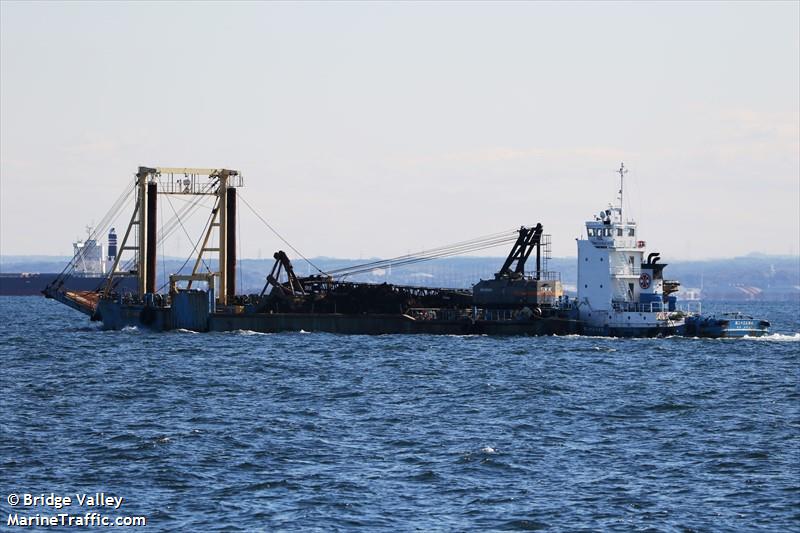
[[620, 293]]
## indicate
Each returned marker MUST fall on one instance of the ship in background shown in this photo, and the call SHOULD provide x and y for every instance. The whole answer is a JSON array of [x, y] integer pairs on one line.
[[90, 264]]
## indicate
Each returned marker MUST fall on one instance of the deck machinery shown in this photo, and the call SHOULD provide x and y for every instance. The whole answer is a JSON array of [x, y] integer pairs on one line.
[[511, 288], [511, 303], [324, 294]]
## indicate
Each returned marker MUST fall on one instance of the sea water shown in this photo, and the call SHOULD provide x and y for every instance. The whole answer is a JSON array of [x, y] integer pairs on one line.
[[308, 431]]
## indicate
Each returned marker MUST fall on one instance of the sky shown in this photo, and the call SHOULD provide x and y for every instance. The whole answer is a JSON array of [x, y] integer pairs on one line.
[[375, 129]]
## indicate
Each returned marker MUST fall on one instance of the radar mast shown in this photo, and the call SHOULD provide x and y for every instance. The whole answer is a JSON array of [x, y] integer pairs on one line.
[[622, 171]]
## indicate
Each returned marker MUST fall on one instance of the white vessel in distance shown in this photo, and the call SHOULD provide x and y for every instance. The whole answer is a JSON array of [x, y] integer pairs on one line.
[[620, 293]]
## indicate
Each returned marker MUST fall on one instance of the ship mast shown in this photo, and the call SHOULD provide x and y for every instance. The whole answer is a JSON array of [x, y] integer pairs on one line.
[[622, 171]]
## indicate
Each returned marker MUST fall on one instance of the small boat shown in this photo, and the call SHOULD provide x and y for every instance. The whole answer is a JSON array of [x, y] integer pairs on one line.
[[726, 325]]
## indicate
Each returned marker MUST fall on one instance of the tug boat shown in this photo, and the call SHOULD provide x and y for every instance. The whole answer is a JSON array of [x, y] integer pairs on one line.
[[620, 293]]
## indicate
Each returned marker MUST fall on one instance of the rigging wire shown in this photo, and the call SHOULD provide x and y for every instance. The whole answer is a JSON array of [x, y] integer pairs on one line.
[[412, 260], [124, 206], [471, 245], [194, 249], [273, 230], [436, 252], [479, 243], [113, 212], [100, 228], [173, 223], [186, 232], [167, 228], [185, 211]]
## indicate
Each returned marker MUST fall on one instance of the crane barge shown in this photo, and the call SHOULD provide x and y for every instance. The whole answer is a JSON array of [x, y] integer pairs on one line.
[[619, 292], [515, 302]]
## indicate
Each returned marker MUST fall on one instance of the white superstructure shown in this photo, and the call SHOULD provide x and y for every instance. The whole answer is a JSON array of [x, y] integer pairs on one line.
[[88, 256], [619, 291]]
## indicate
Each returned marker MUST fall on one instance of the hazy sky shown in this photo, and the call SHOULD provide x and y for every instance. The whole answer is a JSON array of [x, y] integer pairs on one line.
[[372, 129]]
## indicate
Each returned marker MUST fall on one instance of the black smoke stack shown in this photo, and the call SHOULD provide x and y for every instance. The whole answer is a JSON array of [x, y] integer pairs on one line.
[[112, 246]]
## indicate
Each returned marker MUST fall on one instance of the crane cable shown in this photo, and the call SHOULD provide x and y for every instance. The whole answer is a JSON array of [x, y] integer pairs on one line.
[[478, 243], [100, 228], [273, 230], [173, 223], [471, 245], [191, 254], [414, 260]]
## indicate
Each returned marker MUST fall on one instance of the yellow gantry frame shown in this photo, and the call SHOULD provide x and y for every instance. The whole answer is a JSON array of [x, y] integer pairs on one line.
[[217, 184]]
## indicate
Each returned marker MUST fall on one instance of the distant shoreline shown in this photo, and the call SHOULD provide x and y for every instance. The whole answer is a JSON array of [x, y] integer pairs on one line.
[[754, 277]]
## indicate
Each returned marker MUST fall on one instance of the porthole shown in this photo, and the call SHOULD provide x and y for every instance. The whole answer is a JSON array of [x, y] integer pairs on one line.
[[601, 285], [585, 286]]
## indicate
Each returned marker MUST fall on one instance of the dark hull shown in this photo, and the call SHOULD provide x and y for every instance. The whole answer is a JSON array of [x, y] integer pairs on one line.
[[117, 316], [635, 333], [387, 324], [192, 310], [34, 284]]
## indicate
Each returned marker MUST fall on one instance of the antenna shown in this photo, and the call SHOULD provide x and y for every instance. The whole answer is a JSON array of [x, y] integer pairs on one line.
[[622, 171]]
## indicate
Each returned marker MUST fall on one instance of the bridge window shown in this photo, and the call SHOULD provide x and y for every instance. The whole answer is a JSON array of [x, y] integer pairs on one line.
[[619, 232], [631, 232]]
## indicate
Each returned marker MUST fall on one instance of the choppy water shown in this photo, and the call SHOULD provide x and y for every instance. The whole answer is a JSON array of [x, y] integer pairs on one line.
[[244, 431]]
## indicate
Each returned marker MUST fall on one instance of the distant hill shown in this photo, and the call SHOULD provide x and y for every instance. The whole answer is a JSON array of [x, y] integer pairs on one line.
[[752, 277]]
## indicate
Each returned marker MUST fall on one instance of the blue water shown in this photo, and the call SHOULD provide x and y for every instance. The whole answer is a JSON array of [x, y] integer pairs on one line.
[[243, 431]]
